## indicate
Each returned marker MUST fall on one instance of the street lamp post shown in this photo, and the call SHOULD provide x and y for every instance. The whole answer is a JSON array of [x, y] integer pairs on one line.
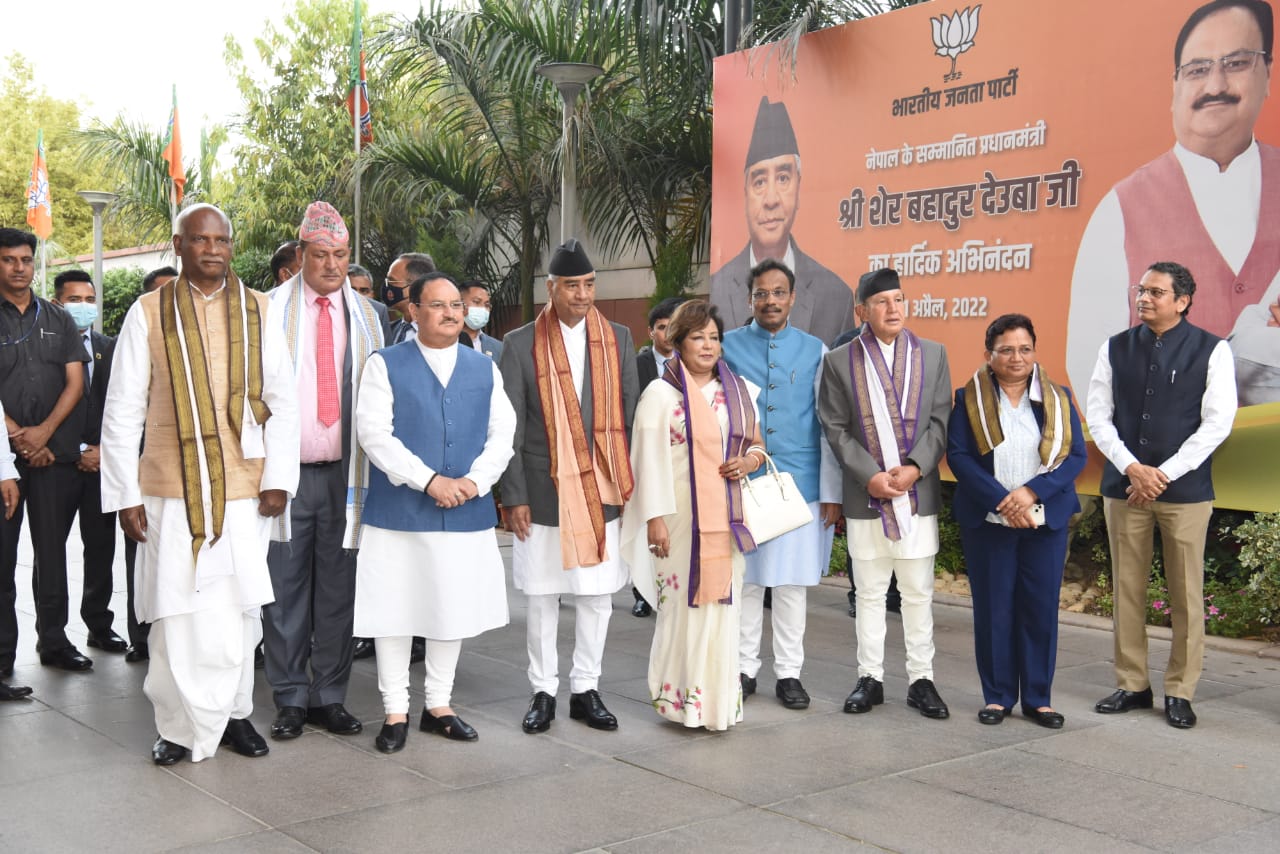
[[570, 78], [98, 200]]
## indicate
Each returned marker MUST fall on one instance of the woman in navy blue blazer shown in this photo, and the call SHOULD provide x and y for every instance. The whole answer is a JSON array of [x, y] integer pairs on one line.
[[1015, 446]]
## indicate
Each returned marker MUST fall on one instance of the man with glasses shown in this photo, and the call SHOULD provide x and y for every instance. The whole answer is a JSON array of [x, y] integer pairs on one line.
[[786, 364], [1215, 198], [824, 303], [362, 283], [395, 293], [1162, 398]]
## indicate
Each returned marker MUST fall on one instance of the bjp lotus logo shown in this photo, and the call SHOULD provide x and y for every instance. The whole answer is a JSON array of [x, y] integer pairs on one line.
[[953, 35]]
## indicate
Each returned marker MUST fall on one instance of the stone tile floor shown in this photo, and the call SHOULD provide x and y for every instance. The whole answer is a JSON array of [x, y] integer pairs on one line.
[[75, 771]]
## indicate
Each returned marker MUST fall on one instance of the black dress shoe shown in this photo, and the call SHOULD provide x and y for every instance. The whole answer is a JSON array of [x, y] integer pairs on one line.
[[392, 737], [748, 684], [166, 752], [923, 696], [67, 658], [108, 641], [641, 609], [417, 650], [867, 693], [259, 657], [288, 723], [542, 711], [244, 739], [991, 716], [364, 648], [335, 718], [1178, 713], [792, 694], [1123, 701], [13, 692], [136, 653], [588, 707], [450, 726], [1048, 720]]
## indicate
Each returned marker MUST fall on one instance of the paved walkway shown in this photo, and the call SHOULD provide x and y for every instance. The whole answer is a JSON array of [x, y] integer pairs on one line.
[[76, 775]]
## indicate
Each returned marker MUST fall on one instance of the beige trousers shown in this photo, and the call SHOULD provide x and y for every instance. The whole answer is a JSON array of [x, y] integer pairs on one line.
[[1183, 528]]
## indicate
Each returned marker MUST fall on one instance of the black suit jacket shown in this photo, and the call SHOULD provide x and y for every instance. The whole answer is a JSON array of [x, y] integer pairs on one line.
[[95, 394], [646, 366]]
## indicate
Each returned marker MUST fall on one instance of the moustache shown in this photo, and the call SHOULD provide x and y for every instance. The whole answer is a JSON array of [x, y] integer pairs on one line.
[[1218, 98]]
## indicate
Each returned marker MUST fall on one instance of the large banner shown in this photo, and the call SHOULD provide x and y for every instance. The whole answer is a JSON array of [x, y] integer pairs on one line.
[[1019, 156]]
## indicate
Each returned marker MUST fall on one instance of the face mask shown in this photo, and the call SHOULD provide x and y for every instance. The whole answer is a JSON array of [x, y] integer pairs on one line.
[[477, 317], [392, 294], [83, 313]]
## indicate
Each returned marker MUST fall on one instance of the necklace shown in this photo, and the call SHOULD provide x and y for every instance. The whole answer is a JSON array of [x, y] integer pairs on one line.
[[8, 342]]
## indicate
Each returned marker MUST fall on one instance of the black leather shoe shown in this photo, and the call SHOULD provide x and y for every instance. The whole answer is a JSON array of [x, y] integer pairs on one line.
[[641, 609], [450, 726], [364, 648], [1123, 701], [259, 657], [542, 711], [417, 650], [992, 716], [136, 653], [392, 737], [288, 723], [1177, 712], [792, 694], [867, 693], [108, 641], [1048, 720], [166, 752], [67, 658], [244, 739], [748, 684], [588, 707], [13, 692], [335, 718], [923, 696]]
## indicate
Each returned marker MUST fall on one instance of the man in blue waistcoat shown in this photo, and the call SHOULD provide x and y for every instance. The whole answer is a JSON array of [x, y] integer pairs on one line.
[[439, 430], [786, 364], [1162, 398]]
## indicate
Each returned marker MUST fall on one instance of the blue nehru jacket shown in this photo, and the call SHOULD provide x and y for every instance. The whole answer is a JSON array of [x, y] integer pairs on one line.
[[785, 366], [445, 427], [1157, 385]]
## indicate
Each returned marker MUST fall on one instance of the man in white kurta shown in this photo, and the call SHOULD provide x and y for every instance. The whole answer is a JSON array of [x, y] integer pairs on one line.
[[203, 603], [429, 563]]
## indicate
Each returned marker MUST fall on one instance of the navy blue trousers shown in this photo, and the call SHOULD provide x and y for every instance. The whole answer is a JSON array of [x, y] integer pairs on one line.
[[1015, 576]]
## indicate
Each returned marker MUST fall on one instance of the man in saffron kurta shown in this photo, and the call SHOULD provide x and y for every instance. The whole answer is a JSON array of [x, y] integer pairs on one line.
[[786, 364], [1213, 201], [571, 377], [197, 365], [884, 403]]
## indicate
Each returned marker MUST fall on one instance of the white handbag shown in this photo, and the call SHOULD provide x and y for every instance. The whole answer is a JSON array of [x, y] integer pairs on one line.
[[772, 505]]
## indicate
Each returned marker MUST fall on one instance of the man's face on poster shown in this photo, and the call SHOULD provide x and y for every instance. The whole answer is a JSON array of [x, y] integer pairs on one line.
[[1219, 107], [773, 197]]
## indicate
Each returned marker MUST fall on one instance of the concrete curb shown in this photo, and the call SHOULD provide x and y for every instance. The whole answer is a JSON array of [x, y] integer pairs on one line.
[[1236, 646]]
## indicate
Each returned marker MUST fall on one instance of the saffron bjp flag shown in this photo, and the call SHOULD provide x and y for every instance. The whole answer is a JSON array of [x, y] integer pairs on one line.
[[39, 205], [358, 96], [173, 151]]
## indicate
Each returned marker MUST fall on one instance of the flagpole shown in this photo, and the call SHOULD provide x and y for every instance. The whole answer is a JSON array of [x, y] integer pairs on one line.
[[44, 254], [357, 102]]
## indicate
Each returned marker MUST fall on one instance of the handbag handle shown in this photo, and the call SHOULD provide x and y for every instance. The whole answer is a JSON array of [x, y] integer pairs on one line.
[[770, 465], [772, 469]]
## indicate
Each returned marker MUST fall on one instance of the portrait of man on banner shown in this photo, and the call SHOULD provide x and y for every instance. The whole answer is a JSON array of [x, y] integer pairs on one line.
[[1212, 203], [771, 177]]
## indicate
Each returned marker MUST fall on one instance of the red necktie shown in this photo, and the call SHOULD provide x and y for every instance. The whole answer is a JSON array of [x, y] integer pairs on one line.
[[328, 407]]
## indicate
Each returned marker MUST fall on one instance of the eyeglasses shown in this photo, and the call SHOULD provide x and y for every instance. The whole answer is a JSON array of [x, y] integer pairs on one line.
[[395, 283], [1008, 352], [437, 305], [1154, 293], [1233, 63], [776, 293]]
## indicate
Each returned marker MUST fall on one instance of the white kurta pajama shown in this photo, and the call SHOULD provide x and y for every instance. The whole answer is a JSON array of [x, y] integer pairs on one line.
[[693, 662], [205, 618], [440, 585]]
